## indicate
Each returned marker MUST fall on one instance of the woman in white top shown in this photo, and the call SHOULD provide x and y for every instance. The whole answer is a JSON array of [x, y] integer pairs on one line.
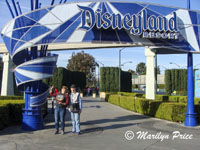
[[75, 109]]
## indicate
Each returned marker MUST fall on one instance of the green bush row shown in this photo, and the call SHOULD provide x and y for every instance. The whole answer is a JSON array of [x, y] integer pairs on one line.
[[176, 80], [155, 108], [62, 76], [164, 98], [131, 94], [10, 112], [11, 97], [109, 80], [176, 99]]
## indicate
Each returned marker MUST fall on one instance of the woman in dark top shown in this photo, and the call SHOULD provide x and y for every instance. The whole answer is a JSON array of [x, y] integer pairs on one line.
[[52, 93], [62, 101]]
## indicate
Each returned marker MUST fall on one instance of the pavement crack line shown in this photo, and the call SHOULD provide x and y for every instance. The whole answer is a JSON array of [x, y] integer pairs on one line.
[[152, 145], [15, 145]]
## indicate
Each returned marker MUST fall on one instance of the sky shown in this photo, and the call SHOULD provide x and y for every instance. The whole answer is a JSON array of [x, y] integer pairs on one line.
[[110, 57]]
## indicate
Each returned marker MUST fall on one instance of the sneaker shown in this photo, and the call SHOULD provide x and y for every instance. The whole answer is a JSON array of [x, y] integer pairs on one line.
[[73, 132], [56, 132], [78, 133], [62, 132]]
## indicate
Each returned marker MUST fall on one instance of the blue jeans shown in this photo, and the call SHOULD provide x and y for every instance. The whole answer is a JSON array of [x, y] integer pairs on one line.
[[59, 114], [75, 122]]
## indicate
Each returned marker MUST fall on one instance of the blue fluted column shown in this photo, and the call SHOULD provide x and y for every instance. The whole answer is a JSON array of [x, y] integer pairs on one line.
[[190, 118]]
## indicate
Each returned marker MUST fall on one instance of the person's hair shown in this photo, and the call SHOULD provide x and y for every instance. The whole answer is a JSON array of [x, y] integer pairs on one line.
[[64, 87], [73, 86]]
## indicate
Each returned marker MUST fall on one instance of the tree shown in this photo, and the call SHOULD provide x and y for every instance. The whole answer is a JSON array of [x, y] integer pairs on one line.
[[141, 68], [158, 69], [83, 62], [132, 72]]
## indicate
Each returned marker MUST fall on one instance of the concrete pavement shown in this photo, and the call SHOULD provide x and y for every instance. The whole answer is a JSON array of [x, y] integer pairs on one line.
[[103, 127]]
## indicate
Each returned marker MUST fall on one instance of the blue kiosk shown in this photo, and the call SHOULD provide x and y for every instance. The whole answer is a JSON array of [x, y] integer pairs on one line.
[[110, 23]]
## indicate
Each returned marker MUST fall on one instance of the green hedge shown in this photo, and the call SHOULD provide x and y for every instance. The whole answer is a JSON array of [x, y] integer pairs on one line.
[[109, 80], [10, 112], [127, 102], [62, 76], [155, 108], [176, 80], [11, 97], [176, 99], [164, 98], [131, 94], [114, 99]]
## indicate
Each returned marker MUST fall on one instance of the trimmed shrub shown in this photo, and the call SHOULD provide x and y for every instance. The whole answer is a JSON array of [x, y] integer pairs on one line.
[[155, 108], [161, 86], [178, 99], [127, 102], [197, 101], [109, 80], [171, 111], [4, 116], [114, 99], [10, 112], [130, 94], [62, 76], [176, 80], [147, 107], [163, 98], [11, 97], [107, 97]]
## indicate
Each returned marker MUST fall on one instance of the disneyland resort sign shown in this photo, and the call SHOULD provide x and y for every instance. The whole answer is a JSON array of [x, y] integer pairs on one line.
[[137, 24]]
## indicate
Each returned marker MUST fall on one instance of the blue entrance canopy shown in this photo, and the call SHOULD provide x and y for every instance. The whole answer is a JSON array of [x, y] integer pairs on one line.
[[97, 23], [105, 22]]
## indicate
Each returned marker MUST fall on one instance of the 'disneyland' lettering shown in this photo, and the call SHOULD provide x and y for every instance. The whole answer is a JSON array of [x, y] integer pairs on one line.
[[135, 23]]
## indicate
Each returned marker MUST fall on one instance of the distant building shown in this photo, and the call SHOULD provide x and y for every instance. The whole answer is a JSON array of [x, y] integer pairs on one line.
[[141, 79]]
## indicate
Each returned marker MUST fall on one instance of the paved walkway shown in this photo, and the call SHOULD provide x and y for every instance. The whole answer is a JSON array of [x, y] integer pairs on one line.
[[103, 128]]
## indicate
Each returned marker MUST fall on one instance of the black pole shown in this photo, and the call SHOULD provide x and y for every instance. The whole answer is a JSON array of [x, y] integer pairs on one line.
[[36, 4], [40, 5], [156, 72], [19, 8], [15, 8], [11, 12], [32, 3], [52, 2]]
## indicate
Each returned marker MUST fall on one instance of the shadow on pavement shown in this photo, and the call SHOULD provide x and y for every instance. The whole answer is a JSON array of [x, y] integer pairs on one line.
[[88, 126], [117, 119]]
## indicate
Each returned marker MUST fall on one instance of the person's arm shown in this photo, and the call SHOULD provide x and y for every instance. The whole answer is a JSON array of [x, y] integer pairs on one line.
[[66, 100], [54, 93], [80, 103]]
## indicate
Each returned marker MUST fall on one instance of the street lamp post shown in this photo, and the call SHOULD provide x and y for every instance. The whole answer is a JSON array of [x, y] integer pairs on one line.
[[196, 65], [99, 73], [163, 67], [120, 68], [126, 63], [100, 63], [175, 64]]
